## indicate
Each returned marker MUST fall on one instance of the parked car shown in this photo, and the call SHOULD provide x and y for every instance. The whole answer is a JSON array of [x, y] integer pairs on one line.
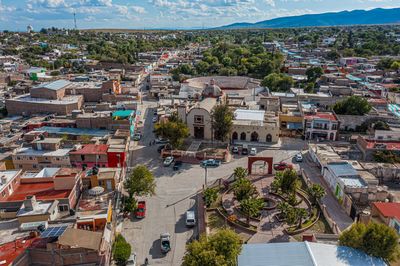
[[245, 150], [177, 165], [137, 136], [298, 158], [235, 149], [132, 260], [161, 141], [165, 242], [155, 119], [168, 161], [141, 210], [253, 151], [210, 163], [282, 166], [190, 219]]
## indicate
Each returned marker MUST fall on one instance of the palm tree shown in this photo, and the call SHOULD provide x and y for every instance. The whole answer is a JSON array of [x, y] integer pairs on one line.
[[240, 172], [300, 215], [251, 207], [244, 189], [316, 192]]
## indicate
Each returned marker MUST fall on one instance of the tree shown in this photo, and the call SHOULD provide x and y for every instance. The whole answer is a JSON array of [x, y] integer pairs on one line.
[[278, 82], [251, 207], [140, 182], [290, 181], [121, 250], [129, 204], [244, 189], [222, 118], [221, 248], [313, 73], [174, 130], [381, 125], [292, 215], [378, 240], [240, 172], [353, 105], [386, 156], [210, 196], [316, 192], [395, 65]]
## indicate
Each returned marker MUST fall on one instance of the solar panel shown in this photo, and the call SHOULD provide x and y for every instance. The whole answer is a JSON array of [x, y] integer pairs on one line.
[[53, 231]]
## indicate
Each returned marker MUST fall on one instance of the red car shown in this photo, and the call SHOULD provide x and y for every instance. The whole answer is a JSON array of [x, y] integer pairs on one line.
[[141, 210], [282, 166]]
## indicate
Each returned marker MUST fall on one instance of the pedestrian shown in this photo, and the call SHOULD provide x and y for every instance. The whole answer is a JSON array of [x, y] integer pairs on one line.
[[150, 143]]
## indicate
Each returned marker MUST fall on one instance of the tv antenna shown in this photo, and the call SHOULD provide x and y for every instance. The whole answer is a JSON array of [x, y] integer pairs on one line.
[[76, 27]]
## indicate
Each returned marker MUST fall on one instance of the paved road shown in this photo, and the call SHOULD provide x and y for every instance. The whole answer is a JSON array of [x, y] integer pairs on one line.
[[335, 210], [175, 194]]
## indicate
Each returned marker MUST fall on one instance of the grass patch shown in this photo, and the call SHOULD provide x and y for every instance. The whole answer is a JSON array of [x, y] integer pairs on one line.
[[215, 221]]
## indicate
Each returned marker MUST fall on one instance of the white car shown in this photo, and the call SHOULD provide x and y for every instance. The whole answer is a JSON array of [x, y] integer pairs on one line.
[[168, 161], [253, 151], [298, 158], [132, 260], [155, 119]]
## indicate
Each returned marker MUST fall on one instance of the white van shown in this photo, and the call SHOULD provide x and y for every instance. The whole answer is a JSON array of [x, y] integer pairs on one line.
[[190, 218]]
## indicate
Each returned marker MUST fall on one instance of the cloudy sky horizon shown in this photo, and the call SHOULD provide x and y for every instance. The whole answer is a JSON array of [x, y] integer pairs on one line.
[[151, 14]]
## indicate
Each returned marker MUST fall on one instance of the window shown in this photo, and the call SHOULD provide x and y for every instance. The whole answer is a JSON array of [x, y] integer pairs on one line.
[[334, 126], [380, 137], [34, 166], [63, 208], [198, 119], [18, 158], [30, 158], [3, 194]]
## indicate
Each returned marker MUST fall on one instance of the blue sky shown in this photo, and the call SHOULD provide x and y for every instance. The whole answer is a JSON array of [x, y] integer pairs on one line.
[[147, 14]]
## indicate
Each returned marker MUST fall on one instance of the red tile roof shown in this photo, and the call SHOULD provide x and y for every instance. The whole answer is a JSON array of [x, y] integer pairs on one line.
[[328, 116], [42, 191], [92, 149], [389, 145], [389, 209]]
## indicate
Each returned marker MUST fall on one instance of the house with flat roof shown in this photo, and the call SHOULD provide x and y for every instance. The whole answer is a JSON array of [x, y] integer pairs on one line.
[[45, 98], [9, 180], [47, 185], [44, 152], [321, 125], [254, 126]]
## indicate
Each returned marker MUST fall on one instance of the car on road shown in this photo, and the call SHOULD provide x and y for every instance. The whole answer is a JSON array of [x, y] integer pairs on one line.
[[210, 163], [190, 219], [235, 150], [141, 210], [161, 141], [282, 166], [298, 158], [132, 260], [155, 119], [165, 240], [168, 161], [137, 136], [253, 151], [177, 165]]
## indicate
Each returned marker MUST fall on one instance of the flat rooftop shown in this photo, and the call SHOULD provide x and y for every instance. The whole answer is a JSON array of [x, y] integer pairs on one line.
[[33, 152], [54, 85], [74, 131], [65, 100], [7, 176], [42, 191], [254, 115], [40, 208]]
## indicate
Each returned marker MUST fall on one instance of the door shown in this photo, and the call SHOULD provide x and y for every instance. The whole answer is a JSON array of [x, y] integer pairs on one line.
[[109, 185]]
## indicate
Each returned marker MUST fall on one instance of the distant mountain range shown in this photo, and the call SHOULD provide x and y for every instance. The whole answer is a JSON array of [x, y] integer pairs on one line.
[[355, 17]]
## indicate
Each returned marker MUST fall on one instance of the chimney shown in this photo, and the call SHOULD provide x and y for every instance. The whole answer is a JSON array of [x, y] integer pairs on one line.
[[30, 203]]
